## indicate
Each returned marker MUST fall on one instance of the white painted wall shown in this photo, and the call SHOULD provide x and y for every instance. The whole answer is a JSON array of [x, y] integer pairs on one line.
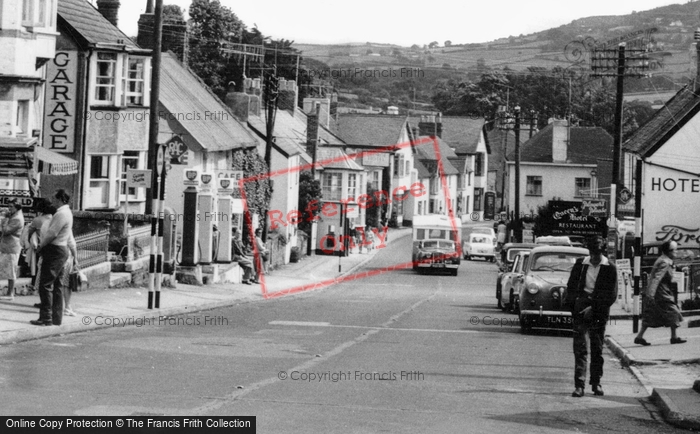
[[558, 181]]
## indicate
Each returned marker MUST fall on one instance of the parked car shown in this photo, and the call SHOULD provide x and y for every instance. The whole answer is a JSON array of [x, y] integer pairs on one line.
[[507, 290], [542, 289], [577, 240], [479, 245], [485, 230], [505, 263]]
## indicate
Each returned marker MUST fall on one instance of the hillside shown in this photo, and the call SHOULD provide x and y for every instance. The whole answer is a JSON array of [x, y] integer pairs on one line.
[[673, 34]]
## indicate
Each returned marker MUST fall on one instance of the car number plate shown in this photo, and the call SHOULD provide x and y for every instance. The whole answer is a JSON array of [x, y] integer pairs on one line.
[[438, 265], [552, 320]]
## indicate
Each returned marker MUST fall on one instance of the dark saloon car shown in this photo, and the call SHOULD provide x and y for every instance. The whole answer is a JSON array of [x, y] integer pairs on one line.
[[437, 255], [543, 287], [686, 256]]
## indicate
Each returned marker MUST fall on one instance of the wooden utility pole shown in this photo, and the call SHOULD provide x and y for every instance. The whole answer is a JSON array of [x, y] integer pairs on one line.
[[152, 193], [518, 230]]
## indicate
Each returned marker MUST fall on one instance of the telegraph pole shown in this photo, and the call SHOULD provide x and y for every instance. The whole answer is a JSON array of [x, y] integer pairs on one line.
[[518, 229], [152, 193]]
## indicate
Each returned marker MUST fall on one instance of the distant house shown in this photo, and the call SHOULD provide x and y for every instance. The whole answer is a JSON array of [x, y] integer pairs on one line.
[[390, 170], [466, 137], [558, 162], [442, 191]]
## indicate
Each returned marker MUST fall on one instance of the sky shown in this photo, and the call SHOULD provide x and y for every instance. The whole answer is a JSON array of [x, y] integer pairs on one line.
[[404, 23]]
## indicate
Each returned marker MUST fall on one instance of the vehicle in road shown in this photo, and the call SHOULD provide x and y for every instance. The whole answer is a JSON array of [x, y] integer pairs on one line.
[[480, 246], [577, 240], [507, 289], [505, 263], [553, 240], [542, 289], [486, 230], [436, 243]]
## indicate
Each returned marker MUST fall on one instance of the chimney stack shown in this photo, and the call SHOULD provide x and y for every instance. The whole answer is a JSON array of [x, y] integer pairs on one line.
[[109, 9], [288, 95], [430, 125], [312, 120], [325, 115], [560, 138], [175, 35]]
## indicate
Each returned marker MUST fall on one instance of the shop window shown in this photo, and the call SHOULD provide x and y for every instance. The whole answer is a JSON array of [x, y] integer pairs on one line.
[[22, 122]]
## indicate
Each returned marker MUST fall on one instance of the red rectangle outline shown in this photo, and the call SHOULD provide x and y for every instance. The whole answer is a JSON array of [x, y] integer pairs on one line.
[[328, 282]]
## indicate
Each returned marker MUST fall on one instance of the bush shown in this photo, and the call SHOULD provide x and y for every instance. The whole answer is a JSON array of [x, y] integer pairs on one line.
[[693, 304]]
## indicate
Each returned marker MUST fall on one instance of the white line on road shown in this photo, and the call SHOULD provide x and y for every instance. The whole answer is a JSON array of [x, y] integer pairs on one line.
[[326, 324]]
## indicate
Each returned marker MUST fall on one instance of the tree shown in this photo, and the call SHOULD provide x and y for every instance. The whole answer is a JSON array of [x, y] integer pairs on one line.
[[448, 43], [433, 44], [309, 191], [210, 25], [173, 13]]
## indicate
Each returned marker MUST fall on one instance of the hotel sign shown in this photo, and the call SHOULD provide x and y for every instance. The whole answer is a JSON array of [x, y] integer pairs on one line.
[[61, 92]]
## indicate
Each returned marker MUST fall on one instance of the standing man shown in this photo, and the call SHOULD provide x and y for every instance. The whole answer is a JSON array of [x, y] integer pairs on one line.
[[502, 230], [10, 247], [54, 252], [591, 290]]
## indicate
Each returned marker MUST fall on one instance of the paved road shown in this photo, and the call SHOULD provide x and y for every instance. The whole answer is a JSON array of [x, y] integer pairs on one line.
[[398, 352]]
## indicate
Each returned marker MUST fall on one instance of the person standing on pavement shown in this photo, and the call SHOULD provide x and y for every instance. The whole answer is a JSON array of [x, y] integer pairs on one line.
[[10, 246], [244, 261], [660, 308], [501, 230], [45, 212], [262, 251], [591, 290], [54, 252]]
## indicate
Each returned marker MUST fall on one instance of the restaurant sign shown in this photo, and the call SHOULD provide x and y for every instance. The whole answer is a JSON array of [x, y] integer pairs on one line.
[[568, 218]]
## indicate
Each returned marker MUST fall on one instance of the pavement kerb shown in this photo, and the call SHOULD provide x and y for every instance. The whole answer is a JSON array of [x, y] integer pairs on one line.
[[620, 352], [672, 414]]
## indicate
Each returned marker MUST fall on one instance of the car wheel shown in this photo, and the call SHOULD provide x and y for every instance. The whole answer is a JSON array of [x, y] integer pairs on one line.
[[455, 271], [493, 259], [500, 304], [516, 304], [511, 301]]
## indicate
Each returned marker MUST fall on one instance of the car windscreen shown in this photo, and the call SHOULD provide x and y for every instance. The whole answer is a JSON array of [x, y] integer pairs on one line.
[[438, 244], [554, 261]]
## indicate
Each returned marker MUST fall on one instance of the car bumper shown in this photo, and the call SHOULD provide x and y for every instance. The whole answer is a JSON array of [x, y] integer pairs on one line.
[[437, 266], [546, 318]]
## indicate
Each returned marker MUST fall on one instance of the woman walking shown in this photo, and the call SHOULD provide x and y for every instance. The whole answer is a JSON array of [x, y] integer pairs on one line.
[[660, 309]]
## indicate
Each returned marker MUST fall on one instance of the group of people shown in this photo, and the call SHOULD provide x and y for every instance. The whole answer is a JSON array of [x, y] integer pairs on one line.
[[245, 259], [592, 289], [50, 252]]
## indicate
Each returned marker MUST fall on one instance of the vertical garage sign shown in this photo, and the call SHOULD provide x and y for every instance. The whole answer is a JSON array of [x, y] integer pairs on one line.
[[59, 129]]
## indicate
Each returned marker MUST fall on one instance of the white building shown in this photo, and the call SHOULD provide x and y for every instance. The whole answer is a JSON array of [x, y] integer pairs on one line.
[[558, 163]]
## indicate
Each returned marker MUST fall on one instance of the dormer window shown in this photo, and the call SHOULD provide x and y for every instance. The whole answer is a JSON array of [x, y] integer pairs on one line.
[[134, 81], [105, 78], [120, 80]]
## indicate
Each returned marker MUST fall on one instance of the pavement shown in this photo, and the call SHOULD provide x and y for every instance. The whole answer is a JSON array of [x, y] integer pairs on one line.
[[668, 372]]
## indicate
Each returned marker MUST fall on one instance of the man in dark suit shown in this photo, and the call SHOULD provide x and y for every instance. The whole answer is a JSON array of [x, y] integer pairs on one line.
[[591, 290]]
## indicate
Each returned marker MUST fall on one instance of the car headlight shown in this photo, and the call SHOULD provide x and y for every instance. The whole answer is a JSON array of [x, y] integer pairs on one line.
[[533, 288], [558, 292]]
